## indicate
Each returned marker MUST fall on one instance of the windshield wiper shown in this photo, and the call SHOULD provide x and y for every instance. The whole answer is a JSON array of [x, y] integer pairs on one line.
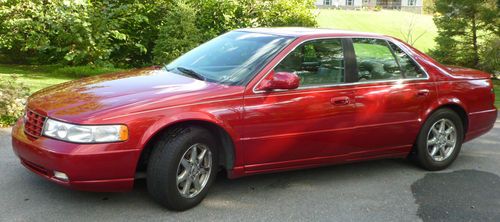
[[191, 73]]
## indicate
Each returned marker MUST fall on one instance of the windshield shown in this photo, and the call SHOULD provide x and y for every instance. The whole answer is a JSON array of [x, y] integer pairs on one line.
[[233, 58]]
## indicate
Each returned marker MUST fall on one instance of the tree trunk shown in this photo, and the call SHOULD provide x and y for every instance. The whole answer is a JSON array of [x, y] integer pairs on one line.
[[474, 41]]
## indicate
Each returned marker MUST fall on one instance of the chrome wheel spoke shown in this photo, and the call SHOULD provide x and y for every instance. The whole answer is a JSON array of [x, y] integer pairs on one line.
[[442, 125], [450, 142], [197, 184], [182, 177], [434, 150], [187, 187], [449, 131], [435, 131], [432, 141], [194, 154], [204, 170], [202, 155], [442, 149], [185, 163]]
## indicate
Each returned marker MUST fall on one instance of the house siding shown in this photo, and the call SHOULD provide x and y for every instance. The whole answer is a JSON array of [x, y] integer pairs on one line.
[[359, 3], [388, 4], [340, 3], [418, 3]]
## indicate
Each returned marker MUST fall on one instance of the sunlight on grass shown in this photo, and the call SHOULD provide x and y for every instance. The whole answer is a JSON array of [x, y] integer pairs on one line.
[[39, 77], [385, 22]]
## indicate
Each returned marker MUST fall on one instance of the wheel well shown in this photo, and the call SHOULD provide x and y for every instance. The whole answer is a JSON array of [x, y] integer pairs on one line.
[[225, 143], [460, 111]]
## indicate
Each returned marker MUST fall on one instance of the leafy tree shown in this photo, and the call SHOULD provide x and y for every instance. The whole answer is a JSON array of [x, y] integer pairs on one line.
[[463, 25], [45, 31], [178, 33], [428, 6], [130, 32]]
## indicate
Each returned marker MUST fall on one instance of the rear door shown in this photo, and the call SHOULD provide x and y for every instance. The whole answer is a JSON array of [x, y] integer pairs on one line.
[[392, 93], [304, 126]]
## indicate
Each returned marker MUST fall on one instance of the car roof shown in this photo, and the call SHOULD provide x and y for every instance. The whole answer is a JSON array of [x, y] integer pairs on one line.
[[309, 32]]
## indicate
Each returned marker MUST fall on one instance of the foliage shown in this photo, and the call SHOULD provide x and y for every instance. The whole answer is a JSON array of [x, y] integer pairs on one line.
[[463, 27], [178, 34], [51, 31], [428, 6], [287, 13], [126, 32], [12, 100], [490, 56], [134, 27]]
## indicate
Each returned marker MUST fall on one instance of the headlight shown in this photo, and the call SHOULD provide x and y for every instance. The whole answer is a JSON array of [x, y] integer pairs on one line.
[[85, 133]]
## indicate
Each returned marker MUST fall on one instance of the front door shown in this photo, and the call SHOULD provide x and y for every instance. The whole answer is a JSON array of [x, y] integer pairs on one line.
[[304, 126]]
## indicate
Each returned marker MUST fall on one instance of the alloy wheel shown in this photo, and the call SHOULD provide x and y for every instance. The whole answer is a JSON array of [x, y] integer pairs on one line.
[[194, 170], [441, 140]]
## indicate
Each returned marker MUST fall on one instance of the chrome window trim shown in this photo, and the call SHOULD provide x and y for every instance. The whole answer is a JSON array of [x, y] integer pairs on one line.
[[402, 47]]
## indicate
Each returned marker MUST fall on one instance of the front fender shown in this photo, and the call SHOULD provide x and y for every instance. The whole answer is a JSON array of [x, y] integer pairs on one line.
[[170, 120]]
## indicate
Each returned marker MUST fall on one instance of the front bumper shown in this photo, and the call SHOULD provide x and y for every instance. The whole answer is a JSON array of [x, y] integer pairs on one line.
[[90, 167]]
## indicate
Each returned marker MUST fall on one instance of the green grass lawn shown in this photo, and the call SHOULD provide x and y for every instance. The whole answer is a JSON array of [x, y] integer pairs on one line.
[[38, 77], [385, 22]]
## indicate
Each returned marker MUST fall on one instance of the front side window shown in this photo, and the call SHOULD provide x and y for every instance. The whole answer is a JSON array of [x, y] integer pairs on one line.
[[408, 66], [375, 60], [327, 2], [349, 2], [233, 58], [316, 62], [412, 2]]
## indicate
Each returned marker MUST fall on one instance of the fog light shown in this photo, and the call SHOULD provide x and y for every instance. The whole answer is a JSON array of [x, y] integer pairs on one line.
[[61, 176]]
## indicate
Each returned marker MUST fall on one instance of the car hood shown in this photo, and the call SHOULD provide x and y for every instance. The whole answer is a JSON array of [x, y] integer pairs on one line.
[[82, 100]]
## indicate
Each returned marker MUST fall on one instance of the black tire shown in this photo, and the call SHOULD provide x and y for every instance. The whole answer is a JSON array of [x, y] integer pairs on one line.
[[421, 152], [164, 162]]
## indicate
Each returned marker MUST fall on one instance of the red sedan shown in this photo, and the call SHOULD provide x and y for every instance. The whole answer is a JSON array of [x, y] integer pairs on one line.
[[253, 101]]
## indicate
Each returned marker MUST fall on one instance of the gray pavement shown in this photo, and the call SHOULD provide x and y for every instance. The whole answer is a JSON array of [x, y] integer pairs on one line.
[[386, 190]]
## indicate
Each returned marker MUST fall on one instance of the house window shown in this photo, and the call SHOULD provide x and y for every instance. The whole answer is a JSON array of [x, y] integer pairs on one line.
[[412, 2], [327, 2], [349, 2]]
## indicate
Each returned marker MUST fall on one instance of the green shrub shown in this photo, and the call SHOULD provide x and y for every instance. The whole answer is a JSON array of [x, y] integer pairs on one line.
[[41, 31], [287, 13], [12, 100], [490, 56], [126, 32], [178, 34], [83, 71]]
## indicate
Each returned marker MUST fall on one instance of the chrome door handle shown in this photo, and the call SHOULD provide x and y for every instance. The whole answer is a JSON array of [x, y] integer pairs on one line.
[[423, 92], [340, 101]]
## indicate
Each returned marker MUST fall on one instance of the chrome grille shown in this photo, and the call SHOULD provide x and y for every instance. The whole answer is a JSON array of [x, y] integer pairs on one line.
[[33, 123]]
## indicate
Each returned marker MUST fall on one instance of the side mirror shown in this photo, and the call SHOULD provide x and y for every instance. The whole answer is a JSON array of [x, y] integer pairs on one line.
[[279, 80]]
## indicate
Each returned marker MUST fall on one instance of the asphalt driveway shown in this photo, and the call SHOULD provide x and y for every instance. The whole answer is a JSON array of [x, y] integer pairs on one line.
[[387, 190]]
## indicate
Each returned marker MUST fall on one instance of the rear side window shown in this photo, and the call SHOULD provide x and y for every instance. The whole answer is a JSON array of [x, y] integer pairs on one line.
[[375, 60], [409, 68], [316, 62]]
